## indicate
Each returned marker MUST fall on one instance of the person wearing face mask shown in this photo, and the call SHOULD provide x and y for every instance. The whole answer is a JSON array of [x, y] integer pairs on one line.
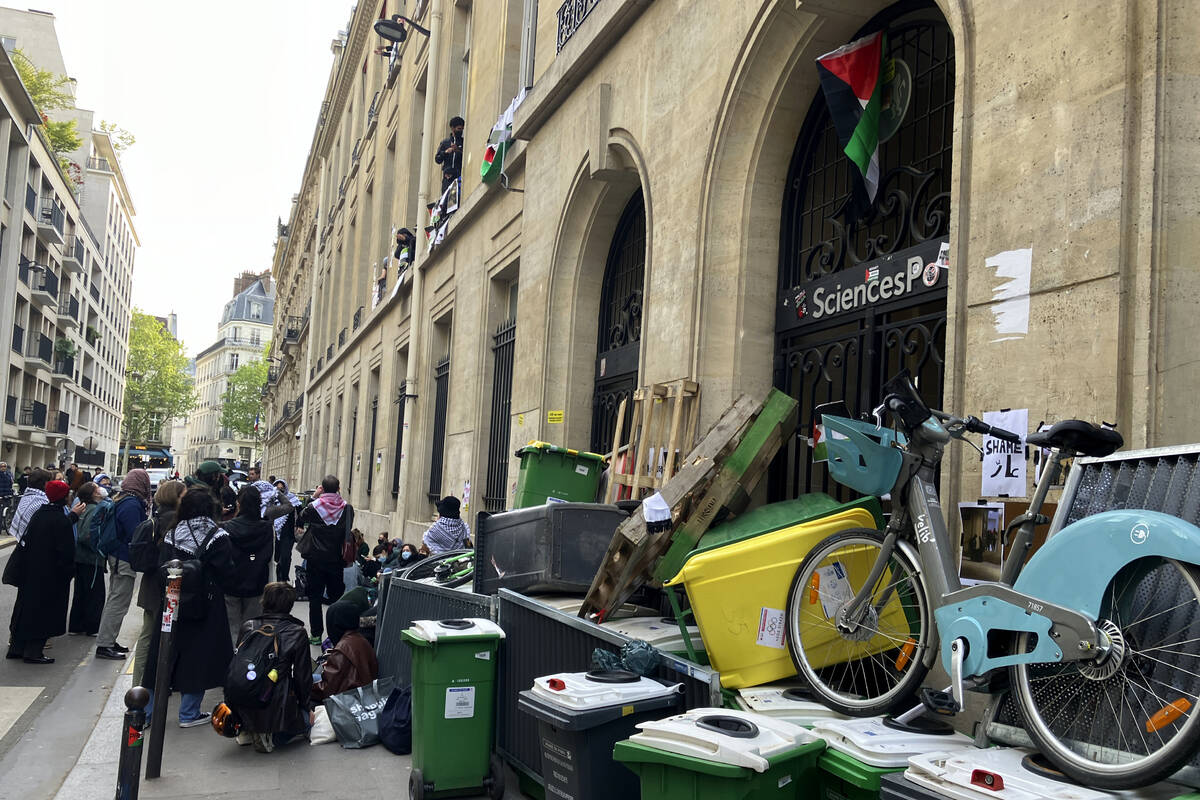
[[403, 556]]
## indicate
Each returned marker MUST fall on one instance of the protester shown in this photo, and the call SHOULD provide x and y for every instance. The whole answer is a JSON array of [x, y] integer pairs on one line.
[[287, 715], [253, 475], [328, 521], [404, 556], [406, 246], [285, 532], [448, 532], [352, 662], [449, 150], [23, 481], [87, 604], [43, 587], [32, 498], [201, 647], [253, 540], [130, 508], [104, 481], [212, 475], [6, 481], [150, 591]]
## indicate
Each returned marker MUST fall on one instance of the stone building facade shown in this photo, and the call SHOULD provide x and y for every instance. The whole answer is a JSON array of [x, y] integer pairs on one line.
[[684, 211]]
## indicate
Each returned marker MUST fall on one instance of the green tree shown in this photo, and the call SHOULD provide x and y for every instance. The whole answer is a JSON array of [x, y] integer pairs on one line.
[[243, 403], [157, 386], [48, 91], [122, 139]]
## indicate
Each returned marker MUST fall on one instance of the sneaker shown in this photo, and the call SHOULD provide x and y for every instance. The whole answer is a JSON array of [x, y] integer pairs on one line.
[[245, 738], [263, 742], [195, 723], [314, 640], [110, 653]]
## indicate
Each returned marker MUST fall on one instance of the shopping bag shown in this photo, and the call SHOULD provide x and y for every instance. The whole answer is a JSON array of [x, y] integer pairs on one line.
[[355, 714], [395, 722], [14, 570], [322, 729]]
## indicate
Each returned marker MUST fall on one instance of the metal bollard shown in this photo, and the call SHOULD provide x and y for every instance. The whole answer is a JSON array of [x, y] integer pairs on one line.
[[129, 772], [162, 677]]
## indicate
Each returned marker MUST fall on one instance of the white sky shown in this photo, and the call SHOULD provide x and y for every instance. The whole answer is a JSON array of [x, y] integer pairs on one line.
[[222, 97]]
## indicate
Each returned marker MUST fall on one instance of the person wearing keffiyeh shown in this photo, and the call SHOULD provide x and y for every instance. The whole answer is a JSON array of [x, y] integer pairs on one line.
[[31, 500], [285, 532], [449, 532], [329, 519]]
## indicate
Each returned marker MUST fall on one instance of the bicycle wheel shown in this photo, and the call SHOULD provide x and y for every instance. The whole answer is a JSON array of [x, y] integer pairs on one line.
[[1129, 718], [877, 665]]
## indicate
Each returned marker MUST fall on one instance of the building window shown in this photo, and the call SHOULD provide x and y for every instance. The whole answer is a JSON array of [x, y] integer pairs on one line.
[[255, 338], [9, 43], [441, 390], [256, 311], [233, 361]]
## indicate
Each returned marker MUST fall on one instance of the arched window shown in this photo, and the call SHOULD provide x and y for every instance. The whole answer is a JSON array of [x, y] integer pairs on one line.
[[620, 327]]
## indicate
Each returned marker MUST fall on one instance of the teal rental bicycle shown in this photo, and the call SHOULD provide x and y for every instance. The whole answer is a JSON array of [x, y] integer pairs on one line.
[[1098, 634]]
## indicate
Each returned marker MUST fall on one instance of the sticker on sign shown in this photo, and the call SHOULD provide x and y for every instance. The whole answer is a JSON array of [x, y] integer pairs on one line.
[[460, 702], [834, 588], [770, 628]]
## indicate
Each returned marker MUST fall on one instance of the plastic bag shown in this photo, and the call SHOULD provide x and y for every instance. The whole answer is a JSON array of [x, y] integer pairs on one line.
[[322, 729], [355, 714], [635, 656], [395, 722]]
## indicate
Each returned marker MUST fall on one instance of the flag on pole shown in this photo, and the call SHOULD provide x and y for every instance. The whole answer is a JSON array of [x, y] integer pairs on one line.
[[852, 80], [817, 443]]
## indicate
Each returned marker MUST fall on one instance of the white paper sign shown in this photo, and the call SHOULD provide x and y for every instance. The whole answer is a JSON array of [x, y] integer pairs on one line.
[[460, 702], [1004, 469], [833, 587], [770, 628], [1010, 293]]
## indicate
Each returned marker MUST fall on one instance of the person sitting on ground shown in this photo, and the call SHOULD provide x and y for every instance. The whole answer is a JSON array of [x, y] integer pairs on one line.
[[352, 662], [448, 532], [287, 714], [44, 585]]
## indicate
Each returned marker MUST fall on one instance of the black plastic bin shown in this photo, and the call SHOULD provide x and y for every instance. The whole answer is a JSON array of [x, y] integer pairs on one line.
[[557, 547], [577, 743], [894, 786]]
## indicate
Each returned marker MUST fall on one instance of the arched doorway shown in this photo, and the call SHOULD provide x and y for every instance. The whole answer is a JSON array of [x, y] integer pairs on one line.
[[619, 334], [856, 299]]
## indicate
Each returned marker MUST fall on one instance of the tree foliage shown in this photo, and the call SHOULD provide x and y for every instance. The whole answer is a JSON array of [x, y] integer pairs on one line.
[[157, 386], [121, 139], [243, 400], [48, 91]]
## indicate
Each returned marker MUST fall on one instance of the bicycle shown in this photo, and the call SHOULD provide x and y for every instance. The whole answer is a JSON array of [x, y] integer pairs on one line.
[[1098, 634], [8, 507]]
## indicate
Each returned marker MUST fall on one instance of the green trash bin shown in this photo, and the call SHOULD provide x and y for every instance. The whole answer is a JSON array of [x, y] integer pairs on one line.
[[722, 754], [552, 473], [453, 704]]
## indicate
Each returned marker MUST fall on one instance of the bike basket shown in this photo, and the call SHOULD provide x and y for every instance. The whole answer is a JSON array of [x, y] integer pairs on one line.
[[862, 456]]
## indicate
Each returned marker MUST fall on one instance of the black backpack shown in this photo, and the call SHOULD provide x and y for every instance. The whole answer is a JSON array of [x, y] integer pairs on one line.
[[193, 589], [143, 549], [255, 671]]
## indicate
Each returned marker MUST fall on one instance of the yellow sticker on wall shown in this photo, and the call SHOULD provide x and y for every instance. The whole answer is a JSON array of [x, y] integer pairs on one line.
[[554, 417]]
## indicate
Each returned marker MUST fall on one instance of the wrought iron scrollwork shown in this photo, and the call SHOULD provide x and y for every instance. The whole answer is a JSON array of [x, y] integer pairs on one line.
[[626, 327]]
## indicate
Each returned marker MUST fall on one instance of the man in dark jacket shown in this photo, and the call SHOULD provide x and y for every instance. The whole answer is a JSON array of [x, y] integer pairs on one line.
[[286, 716], [130, 508], [23, 481], [253, 541], [43, 588], [327, 521], [449, 152], [6, 481]]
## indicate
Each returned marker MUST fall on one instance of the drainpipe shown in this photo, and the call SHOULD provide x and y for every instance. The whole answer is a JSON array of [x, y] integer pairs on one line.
[[417, 322]]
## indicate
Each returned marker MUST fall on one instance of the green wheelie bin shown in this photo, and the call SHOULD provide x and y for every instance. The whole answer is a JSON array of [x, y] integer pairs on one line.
[[453, 702]]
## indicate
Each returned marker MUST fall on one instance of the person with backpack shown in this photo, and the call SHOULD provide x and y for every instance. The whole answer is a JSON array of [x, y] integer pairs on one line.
[[285, 532], [352, 661], [270, 677], [201, 648], [46, 554], [112, 529], [145, 561], [253, 540], [325, 544], [88, 601]]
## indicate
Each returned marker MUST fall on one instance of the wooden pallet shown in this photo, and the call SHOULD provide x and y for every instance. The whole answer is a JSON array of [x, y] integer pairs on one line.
[[663, 425], [715, 479]]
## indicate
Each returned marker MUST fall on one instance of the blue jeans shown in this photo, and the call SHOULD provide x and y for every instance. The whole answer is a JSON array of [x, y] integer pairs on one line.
[[189, 706]]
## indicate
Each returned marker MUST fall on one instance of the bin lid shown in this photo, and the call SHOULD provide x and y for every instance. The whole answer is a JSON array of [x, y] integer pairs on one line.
[[784, 514], [786, 703], [872, 742], [661, 633], [725, 736], [432, 630], [965, 775], [586, 691], [546, 447]]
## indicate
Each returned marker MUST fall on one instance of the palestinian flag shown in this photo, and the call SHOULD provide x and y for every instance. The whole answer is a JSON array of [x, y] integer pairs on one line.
[[817, 444], [497, 146], [852, 80]]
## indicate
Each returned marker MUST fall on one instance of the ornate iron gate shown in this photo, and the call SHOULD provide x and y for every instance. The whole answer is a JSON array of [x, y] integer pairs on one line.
[[495, 494], [620, 333], [862, 285]]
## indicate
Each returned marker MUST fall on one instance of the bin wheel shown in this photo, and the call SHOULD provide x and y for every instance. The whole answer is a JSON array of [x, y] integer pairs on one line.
[[418, 789], [494, 783]]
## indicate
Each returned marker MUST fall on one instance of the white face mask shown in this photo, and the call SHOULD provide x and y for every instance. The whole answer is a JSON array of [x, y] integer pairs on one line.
[[406, 555]]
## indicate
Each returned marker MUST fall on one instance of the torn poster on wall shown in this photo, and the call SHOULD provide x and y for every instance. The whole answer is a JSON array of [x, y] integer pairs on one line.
[[1010, 294], [1004, 473]]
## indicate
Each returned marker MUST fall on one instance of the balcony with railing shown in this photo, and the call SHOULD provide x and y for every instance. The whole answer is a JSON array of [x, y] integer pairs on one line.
[[68, 312], [272, 376], [10, 409], [62, 422], [373, 114], [329, 353], [86, 383], [291, 330], [25, 271], [64, 369], [43, 284], [94, 291], [41, 349], [358, 316], [51, 220], [100, 164], [18, 339], [342, 338], [33, 415], [73, 254]]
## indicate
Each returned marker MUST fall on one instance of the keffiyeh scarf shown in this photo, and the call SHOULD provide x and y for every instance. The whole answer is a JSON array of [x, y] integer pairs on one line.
[[287, 494], [190, 534], [329, 506], [31, 500], [446, 534]]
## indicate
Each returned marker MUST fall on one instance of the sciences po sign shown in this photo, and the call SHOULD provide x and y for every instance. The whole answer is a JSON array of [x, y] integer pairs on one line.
[[894, 278]]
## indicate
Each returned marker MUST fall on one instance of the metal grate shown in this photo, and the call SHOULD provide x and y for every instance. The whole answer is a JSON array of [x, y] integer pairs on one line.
[[397, 454], [540, 640], [371, 448], [441, 386], [408, 601], [503, 347]]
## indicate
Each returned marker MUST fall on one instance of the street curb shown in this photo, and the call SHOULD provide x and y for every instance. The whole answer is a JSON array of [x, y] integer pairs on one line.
[[8, 541]]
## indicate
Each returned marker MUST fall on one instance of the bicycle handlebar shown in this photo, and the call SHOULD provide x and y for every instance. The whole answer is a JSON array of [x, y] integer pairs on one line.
[[976, 425]]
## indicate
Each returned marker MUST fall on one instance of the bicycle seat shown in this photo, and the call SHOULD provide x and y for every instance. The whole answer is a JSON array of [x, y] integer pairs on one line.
[[1078, 436]]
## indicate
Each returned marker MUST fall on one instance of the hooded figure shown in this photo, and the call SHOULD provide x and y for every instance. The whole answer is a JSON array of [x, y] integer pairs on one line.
[[449, 532], [285, 532], [43, 587]]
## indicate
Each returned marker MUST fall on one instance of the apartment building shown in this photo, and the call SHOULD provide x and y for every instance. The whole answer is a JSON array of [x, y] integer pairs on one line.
[[64, 308], [242, 337], [675, 204]]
